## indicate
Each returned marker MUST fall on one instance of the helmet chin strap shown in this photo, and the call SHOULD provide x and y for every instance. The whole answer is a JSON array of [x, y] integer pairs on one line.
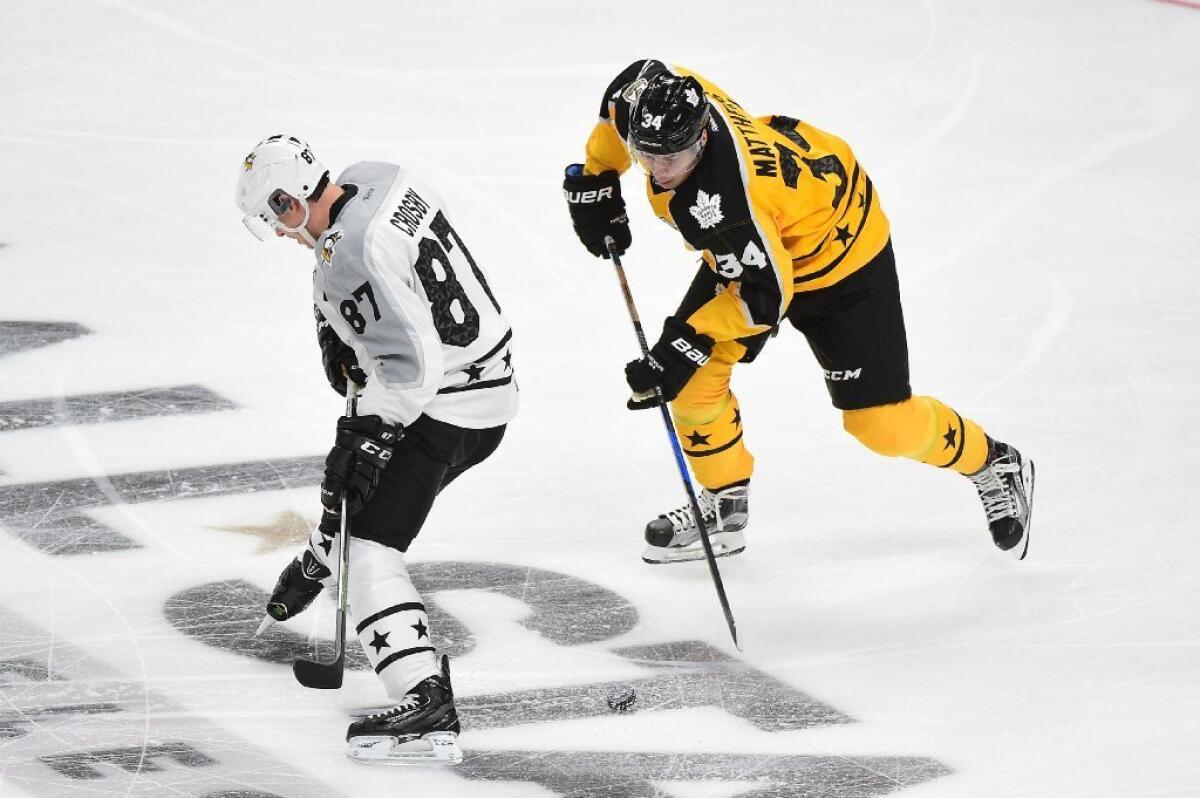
[[302, 228]]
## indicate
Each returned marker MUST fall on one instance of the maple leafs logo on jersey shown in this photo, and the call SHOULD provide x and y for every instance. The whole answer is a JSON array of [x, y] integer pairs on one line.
[[707, 209], [328, 245], [691, 96]]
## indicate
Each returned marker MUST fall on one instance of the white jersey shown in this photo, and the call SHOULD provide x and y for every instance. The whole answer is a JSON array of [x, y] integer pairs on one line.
[[397, 283]]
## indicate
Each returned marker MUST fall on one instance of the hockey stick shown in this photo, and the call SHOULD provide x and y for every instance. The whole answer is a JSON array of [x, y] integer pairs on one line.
[[697, 516], [322, 675]]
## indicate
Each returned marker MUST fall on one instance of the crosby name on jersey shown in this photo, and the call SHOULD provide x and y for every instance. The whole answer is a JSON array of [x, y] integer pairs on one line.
[[776, 207], [400, 287]]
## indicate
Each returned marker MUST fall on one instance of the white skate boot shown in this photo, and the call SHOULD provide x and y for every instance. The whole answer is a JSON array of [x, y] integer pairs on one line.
[[674, 537]]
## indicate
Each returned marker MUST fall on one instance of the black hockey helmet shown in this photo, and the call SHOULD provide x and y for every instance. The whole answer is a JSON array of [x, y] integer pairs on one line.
[[669, 115]]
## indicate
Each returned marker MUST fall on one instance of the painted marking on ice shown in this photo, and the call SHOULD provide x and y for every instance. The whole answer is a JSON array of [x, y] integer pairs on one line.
[[223, 615], [1184, 3], [572, 611], [597, 774], [51, 515], [76, 728], [691, 674], [19, 725], [24, 669], [133, 759], [18, 336], [564, 609], [97, 408]]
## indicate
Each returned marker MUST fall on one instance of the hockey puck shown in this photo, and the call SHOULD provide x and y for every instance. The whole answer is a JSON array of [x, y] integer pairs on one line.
[[621, 699]]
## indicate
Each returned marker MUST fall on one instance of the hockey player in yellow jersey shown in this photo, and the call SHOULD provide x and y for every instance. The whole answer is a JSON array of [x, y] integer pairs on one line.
[[789, 228]]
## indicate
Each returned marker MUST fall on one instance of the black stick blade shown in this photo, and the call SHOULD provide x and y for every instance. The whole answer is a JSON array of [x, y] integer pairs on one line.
[[320, 675]]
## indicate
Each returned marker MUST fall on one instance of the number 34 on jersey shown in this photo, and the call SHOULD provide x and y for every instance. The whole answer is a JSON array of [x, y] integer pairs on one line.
[[731, 266]]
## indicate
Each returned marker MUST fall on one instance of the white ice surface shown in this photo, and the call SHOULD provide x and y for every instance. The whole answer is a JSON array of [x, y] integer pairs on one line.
[[1038, 163]]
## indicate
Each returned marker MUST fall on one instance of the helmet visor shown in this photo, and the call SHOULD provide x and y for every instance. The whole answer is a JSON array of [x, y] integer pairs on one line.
[[264, 222], [669, 169], [259, 226]]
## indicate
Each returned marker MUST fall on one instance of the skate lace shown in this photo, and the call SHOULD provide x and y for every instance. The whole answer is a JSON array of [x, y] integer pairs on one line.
[[997, 500], [409, 702], [681, 517]]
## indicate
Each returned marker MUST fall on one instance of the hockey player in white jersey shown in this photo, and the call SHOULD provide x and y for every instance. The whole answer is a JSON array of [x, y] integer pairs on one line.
[[401, 304]]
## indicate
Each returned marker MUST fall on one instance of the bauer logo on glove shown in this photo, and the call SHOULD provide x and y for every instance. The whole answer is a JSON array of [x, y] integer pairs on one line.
[[586, 197], [690, 352], [597, 209], [669, 366]]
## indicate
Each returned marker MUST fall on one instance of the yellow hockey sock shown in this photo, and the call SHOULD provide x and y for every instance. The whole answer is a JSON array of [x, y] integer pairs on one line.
[[713, 443], [920, 428]]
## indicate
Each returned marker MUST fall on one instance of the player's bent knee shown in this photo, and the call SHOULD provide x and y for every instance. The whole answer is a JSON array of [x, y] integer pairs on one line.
[[707, 390], [895, 430], [701, 399], [700, 408], [695, 415]]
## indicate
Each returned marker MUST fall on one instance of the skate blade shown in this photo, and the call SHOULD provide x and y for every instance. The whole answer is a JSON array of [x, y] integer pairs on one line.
[[1022, 548], [434, 748], [724, 544]]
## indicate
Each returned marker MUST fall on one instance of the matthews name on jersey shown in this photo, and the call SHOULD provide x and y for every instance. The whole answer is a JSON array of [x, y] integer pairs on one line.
[[399, 285], [776, 206]]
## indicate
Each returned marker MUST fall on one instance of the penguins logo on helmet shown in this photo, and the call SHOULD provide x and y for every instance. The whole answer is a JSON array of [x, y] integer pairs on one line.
[[634, 90]]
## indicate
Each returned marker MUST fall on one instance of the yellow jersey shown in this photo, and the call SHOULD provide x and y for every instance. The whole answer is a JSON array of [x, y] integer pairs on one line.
[[774, 205]]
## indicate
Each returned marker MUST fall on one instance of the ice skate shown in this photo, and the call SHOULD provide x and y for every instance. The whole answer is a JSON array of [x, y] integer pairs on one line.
[[421, 730], [674, 537], [1005, 485]]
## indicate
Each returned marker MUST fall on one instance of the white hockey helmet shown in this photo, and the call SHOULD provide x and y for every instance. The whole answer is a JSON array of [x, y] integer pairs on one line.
[[277, 166]]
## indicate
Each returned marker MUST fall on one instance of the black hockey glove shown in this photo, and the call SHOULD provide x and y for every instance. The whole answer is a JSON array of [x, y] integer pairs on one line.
[[331, 523], [672, 362], [597, 209], [337, 358], [362, 450], [298, 585]]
